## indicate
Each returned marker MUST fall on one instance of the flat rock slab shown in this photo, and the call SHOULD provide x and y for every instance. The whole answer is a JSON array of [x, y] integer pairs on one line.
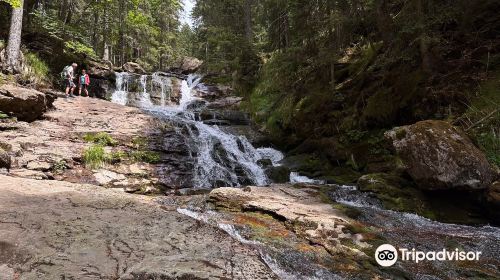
[[60, 230]]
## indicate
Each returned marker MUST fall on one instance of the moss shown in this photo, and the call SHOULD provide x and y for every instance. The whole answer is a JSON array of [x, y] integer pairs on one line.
[[100, 138], [396, 193], [146, 156], [400, 133], [490, 143], [139, 142]]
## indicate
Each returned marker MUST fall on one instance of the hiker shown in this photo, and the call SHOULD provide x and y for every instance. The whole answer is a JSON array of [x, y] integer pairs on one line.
[[68, 75], [84, 82]]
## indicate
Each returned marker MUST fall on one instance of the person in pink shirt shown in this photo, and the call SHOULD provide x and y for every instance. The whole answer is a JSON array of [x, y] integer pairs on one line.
[[84, 82]]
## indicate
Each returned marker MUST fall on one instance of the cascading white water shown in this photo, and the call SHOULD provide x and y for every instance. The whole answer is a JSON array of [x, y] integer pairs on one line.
[[120, 95], [164, 83], [221, 159], [145, 97]]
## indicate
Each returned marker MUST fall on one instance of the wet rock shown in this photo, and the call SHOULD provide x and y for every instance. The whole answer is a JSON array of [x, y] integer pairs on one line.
[[439, 156], [132, 67], [394, 192], [231, 117], [278, 174], [22, 103], [254, 136], [100, 88], [317, 222]]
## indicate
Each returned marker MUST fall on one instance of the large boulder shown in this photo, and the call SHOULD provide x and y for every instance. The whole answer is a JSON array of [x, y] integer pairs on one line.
[[439, 156], [100, 70], [187, 65], [132, 67], [22, 103]]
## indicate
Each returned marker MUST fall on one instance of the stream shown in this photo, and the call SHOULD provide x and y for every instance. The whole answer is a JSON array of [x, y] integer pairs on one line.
[[223, 159]]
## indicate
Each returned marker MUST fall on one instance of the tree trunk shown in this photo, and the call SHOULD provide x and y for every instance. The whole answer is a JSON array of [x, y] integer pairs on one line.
[[105, 36], [95, 39], [14, 44], [248, 20], [423, 40], [121, 32]]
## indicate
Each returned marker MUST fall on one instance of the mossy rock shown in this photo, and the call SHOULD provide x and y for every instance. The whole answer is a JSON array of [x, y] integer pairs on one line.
[[398, 194], [278, 174], [395, 193]]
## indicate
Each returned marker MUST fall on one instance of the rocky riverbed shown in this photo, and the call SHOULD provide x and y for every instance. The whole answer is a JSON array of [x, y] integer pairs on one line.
[[66, 216]]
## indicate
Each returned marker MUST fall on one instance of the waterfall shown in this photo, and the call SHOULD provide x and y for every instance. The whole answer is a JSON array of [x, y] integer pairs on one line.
[[120, 96], [220, 158], [165, 83], [145, 97]]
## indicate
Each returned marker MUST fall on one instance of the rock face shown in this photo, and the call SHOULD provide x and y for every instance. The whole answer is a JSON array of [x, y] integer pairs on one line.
[[22, 103], [87, 232], [100, 70], [133, 67], [5, 161], [317, 222], [188, 65], [439, 156], [102, 76]]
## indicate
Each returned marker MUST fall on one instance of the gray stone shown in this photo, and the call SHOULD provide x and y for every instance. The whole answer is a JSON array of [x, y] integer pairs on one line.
[[440, 156], [22, 103]]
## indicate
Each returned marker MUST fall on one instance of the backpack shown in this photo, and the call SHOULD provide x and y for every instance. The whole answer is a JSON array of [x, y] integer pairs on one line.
[[64, 73]]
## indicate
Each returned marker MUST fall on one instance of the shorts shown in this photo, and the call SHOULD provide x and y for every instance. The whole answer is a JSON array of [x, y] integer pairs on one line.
[[83, 86], [70, 83]]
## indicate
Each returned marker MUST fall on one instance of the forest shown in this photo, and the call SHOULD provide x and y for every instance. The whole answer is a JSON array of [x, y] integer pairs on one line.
[[249, 139]]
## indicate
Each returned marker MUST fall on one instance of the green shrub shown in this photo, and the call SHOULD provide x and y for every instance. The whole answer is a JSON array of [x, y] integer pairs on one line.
[[3, 115], [490, 144], [100, 138], [36, 71], [95, 157], [77, 48]]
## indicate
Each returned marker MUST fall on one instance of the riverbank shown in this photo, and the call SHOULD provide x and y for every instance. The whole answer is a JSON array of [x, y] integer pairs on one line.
[[290, 231]]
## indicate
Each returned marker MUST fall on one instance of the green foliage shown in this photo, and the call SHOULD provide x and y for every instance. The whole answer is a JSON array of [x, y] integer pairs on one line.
[[60, 166], [145, 156], [95, 157], [36, 71], [3, 115], [100, 138], [79, 49], [490, 144], [2, 44], [13, 3]]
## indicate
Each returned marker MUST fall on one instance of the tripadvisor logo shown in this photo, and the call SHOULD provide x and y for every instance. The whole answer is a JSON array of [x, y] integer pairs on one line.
[[386, 255]]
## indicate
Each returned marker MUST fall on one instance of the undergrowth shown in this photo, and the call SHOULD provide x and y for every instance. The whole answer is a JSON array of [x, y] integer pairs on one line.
[[36, 71], [101, 138], [95, 157]]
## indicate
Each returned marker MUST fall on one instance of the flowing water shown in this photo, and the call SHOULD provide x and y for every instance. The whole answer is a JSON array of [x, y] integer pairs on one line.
[[221, 158], [224, 159]]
